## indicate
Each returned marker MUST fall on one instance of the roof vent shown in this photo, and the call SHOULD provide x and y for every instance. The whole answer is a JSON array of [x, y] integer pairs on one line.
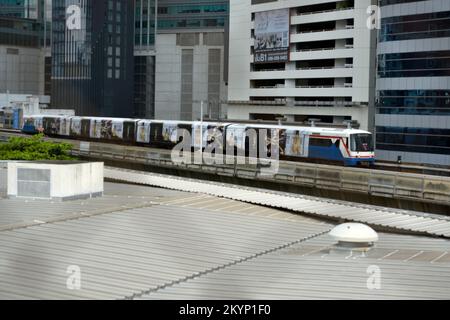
[[354, 236]]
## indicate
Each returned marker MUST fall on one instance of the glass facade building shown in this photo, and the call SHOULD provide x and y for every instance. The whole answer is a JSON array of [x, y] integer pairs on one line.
[[144, 86], [92, 65], [19, 8], [144, 23], [413, 83], [176, 14], [192, 14], [169, 16], [144, 61], [25, 22]]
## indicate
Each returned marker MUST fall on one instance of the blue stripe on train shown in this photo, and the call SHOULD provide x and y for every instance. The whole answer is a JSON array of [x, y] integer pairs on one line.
[[29, 128], [333, 153], [328, 153]]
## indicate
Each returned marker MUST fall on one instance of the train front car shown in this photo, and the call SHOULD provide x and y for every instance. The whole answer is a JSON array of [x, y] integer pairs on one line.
[[33, 124], [349, 147], [361, 148]]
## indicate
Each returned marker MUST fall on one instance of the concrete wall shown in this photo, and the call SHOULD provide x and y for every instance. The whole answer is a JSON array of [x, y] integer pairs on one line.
[[55, 181], [179, 87], [21, 70]]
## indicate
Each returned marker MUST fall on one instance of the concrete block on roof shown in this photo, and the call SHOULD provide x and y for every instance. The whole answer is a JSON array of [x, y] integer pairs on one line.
[[56, 180]]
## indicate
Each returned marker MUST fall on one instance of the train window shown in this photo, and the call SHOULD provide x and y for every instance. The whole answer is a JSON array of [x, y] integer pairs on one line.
[[317, 142], [361, 142], [337, 143]]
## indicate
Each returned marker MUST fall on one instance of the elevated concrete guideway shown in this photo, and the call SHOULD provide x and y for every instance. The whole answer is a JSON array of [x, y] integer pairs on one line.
[[429, 193], [411, 191]]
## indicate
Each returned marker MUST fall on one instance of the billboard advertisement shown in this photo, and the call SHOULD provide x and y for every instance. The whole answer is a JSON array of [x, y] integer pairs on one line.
[[272, 36]]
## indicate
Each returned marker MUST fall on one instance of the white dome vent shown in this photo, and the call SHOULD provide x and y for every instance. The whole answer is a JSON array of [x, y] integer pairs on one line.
[[354, 234]]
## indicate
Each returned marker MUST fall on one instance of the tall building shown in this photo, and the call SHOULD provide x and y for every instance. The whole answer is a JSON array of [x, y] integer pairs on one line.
[[413, 85], [191, 59], [92, 57], [19, 8], [192, 14], [144, 59], [300, 60], [24, 34]]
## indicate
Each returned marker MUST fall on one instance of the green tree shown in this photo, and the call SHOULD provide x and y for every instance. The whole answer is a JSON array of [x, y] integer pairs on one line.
[[34, 148]]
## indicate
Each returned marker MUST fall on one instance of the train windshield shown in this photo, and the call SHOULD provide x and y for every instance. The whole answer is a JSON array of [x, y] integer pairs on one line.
[[361, 142]]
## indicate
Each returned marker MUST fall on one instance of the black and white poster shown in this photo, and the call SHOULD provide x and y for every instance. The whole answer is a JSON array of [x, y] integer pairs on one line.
[[272, 36]]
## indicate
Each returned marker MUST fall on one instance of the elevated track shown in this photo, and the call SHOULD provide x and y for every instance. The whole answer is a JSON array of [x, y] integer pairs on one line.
[[398, 186]]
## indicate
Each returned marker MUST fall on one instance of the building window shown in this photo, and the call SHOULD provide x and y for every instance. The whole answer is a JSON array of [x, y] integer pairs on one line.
[[420, 140], [414, 102], [419, 26], [414, 64]]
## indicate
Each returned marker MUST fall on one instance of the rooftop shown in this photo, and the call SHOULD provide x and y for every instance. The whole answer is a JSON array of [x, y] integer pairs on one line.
[[142, 242]]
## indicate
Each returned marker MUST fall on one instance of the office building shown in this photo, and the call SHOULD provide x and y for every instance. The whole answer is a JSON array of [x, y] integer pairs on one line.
[[301, 60], [191, 59], [192, 14], [144, 59], [413, 85], [24, 35], [19, 8], [92, 57]]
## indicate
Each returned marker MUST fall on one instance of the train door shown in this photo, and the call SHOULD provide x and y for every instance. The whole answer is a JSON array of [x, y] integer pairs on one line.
[[95, 129], [64, 126], [75, 126], [117, 129], [129, 131], [85, 128], [156, 133], [143, 131], [51, 125]]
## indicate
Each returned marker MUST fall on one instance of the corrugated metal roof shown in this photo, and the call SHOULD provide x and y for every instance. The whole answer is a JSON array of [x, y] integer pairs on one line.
[[309, 270], [414, 222], [122, 254], [150, 243], [17, 212]]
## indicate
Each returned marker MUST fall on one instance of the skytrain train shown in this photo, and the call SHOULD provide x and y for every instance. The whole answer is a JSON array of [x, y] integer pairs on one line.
[[349, 147]]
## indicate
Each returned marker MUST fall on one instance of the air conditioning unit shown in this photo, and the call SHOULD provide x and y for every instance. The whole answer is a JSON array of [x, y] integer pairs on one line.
[[348, 85]]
